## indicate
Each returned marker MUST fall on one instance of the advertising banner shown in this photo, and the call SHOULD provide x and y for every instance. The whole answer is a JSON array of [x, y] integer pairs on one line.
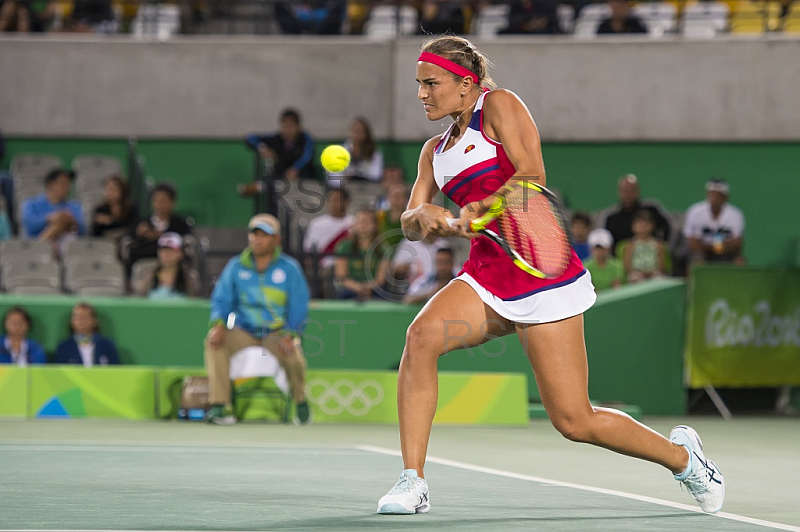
[[743, 327]]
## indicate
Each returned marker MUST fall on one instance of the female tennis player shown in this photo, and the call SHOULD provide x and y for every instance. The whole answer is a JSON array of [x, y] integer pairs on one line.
[[492, 141]]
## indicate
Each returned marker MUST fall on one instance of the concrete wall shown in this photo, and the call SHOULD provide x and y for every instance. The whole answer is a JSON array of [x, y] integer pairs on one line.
[[631, 89]]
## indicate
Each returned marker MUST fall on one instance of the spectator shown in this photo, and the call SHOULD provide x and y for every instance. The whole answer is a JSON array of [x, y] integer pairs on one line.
[[15, 346], [116, 216], [714, 228], [360, 267], [581, 225], [262, 296], [392, 175], [621, 20], [366, 159], [172, 278], [5, 224], [43, 13], [643, 255], [445, 272], [327, 230], [607, 272], [52, 216], [389, 225], [93, 16], [619, 219], [315, 17], [7, 187], [163, 220], [532, 17], [441, 16], [85, 345], [15, 16], [290, 151]]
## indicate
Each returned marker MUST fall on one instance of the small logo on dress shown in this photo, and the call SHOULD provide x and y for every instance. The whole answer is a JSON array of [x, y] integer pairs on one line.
[[469, 148]]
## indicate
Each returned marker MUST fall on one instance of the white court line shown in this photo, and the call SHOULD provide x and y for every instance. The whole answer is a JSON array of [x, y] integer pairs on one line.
[[529, 478], [181, 449]]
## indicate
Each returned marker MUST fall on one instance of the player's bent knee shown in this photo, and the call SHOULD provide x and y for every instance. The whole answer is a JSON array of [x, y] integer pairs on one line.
[[424, 338], [573, 428]]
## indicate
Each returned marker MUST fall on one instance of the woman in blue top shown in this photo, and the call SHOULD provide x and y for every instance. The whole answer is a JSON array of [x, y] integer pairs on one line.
[[15, 346], [86, 346]]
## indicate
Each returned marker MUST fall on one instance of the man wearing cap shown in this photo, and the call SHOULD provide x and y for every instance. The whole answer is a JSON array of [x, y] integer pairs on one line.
[[714, 228], [607, 272], [50, 215], [261, 298]]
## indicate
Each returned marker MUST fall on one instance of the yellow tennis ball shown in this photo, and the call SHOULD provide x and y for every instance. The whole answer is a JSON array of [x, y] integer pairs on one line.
[[335, 158]]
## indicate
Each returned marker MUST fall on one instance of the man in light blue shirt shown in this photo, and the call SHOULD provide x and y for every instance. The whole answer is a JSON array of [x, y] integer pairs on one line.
[[51, 215]]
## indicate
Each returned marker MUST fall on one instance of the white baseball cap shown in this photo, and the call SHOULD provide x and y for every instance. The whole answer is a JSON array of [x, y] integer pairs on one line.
[[600, 237]]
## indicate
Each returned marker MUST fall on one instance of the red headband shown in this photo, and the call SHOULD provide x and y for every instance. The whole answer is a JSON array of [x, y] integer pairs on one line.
[[448, 65]]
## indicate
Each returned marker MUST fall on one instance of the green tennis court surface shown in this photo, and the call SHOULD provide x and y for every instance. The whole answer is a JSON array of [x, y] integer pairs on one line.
[[113, 475]]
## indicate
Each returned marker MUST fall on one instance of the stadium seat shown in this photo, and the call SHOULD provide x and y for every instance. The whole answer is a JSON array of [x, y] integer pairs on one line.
[[92, 170], [748, 18], [383, 22], [162, 21], [589, 19], [296, 207], [92, 277], [659, 17], [33, 167], [566, 17], [704, 19], [23, 275], [141, 270], [90, 249], [363, 193], [25, 249], [491, 19]]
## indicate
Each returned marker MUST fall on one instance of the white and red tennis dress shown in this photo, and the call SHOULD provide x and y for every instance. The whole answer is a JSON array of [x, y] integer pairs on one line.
[[472, 169]]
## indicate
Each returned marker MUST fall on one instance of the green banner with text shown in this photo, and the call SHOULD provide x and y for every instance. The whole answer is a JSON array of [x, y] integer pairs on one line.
[[743, 327]]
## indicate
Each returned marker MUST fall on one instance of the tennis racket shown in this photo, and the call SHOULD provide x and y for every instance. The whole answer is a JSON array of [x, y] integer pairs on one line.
[[532, 227]]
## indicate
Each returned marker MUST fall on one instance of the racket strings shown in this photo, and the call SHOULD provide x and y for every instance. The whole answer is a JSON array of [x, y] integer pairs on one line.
[[533, 228]]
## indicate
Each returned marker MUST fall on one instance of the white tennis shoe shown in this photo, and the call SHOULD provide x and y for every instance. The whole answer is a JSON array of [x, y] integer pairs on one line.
[[702, 478], [408, 496]]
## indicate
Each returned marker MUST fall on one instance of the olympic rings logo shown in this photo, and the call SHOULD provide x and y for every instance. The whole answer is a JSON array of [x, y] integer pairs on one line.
[[345, 395]]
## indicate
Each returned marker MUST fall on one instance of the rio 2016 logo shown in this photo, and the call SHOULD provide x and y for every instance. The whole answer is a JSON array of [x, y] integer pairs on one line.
[[728, 327], [344, 395]]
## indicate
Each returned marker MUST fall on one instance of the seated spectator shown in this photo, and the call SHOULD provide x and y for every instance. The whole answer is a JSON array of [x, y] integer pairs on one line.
[[43, 13], [621, 20], [315, 17], [52, 216], [607, 272], [172, 278], [15, 346], [5, 225], [445, 272], [581, 225], [93, 16], [714, 228], [619, 219], [389, 225], [163, 220], [289, 153], [15, 16], [85, 345], [366, 159], [360, 269], [327, 230], [441, 16], [116, 216], [392, 175], [7, 187], [643, 257], [532, 17]]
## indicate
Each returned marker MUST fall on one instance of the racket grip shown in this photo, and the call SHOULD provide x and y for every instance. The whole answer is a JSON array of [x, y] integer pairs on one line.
[[452, 221]]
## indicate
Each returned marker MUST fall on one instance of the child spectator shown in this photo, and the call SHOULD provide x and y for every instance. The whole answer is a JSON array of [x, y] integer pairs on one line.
[[581, 225], [172, 278], [644, 254], [116, 216], [15, 346], [360, 271], [607, 272], [85, 345]]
